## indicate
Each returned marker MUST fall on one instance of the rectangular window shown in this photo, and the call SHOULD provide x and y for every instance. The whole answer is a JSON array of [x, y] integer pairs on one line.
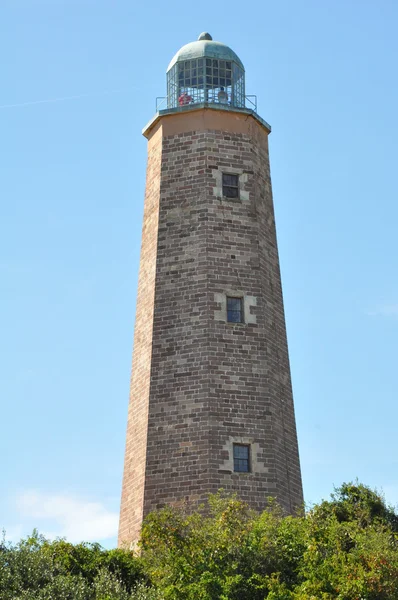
[[234, 310], [230, 185], [242, 458]]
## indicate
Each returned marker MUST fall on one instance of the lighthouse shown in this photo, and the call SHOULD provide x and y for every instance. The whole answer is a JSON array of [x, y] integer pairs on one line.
[[211, 402]]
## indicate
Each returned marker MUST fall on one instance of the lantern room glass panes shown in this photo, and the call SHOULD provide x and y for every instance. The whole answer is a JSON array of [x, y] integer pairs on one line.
[[205, 80]]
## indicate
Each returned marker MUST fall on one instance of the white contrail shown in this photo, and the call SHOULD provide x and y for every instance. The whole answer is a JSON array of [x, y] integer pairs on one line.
[[50, 100]]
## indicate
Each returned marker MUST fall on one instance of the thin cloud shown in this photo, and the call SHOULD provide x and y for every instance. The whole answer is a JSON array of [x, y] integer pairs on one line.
[[61, 99], [64, 515], [387, 310]]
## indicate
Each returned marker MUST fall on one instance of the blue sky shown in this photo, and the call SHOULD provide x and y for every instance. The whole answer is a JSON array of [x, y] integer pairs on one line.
[[79, 81]]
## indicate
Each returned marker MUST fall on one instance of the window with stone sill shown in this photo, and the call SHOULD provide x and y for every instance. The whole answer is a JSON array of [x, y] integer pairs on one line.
[[230, 186], [241, 458]]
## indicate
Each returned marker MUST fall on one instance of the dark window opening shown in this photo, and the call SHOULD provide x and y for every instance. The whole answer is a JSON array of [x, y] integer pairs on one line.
[[234, 310], [242, 458], [230, 185]]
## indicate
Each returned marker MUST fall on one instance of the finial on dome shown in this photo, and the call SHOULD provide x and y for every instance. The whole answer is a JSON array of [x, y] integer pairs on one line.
[[204, 36]]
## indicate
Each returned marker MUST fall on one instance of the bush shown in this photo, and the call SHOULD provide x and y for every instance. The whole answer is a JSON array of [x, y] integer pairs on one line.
[[342, 549], [345, 548], [37, 569]]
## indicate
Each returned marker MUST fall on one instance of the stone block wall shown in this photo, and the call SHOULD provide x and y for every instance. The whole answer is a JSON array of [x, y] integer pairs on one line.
[[201, 384]]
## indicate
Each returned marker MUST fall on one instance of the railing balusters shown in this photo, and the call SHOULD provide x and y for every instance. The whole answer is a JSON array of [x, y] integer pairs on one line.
[[250, 102]]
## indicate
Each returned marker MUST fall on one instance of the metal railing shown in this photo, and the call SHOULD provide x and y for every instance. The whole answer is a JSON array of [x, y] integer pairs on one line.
[[161, 103], [250, 102]]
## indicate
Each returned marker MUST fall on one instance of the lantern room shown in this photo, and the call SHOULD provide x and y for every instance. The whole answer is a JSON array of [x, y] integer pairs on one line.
[[206, 71]]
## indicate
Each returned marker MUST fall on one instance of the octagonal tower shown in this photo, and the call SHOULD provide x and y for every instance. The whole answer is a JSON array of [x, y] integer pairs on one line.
[[211, 402]]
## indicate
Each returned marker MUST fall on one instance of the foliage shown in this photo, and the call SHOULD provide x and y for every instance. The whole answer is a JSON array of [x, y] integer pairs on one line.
[[346, 549], [37, 569], [342, 549]]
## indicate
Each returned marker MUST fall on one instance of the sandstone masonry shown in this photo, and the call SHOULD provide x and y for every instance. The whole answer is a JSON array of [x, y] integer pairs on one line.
[[199, 383]]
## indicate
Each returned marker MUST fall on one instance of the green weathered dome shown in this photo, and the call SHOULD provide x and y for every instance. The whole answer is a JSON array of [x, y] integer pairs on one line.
[[205, 47]]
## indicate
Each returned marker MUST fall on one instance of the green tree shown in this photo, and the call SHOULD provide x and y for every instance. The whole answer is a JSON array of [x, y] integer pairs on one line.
[[37, 569], [342, 549], [345, 548]]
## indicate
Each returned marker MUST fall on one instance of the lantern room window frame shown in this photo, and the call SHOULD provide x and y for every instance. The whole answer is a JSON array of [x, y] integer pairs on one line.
[[202, 80]]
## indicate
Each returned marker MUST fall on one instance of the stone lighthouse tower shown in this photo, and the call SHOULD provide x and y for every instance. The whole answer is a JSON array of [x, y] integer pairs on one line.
[[211, 402]]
